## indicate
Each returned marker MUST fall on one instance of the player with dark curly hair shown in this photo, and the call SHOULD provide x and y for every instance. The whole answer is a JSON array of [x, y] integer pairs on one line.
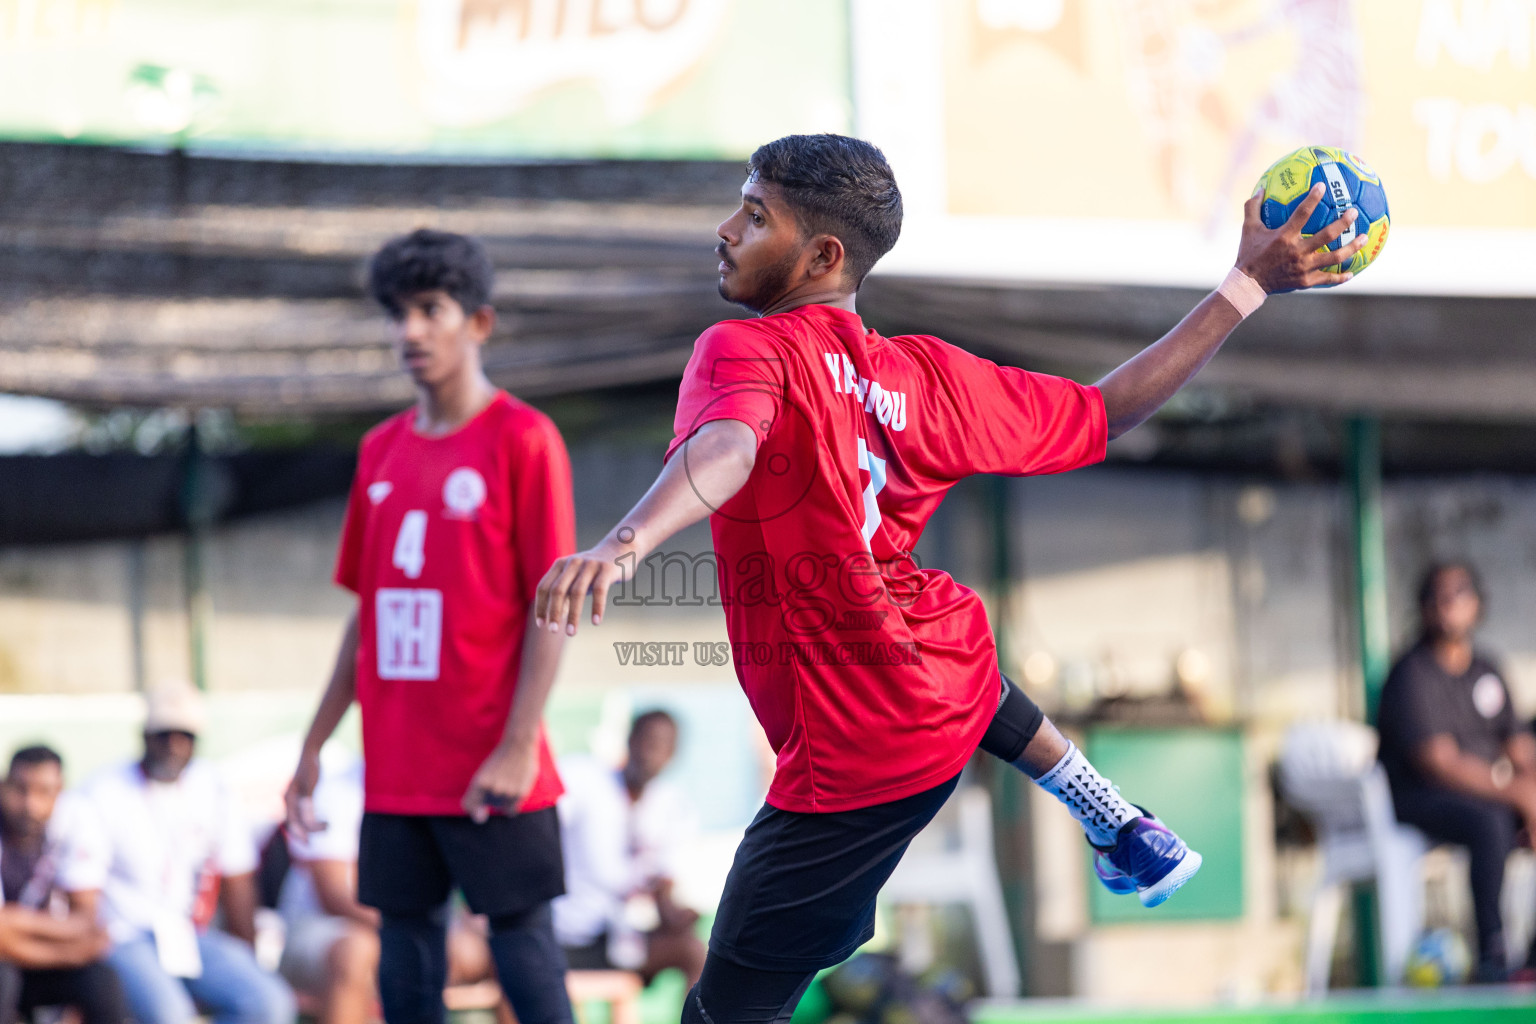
[[458, 506], [822, 449]]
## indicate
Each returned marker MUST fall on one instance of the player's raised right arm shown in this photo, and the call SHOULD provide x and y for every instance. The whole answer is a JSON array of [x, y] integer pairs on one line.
[[339, 694], [708, 470], [1268, 261]]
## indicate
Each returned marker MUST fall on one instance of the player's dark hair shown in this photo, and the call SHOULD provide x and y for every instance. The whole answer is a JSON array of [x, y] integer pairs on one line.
[[648, 718], [427, 260], [1437, 569], [31, 757], [836, 186]]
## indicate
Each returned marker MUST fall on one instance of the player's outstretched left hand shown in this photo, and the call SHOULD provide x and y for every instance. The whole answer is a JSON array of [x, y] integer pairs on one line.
[[565, 587], [503, 781], [1281, 260]]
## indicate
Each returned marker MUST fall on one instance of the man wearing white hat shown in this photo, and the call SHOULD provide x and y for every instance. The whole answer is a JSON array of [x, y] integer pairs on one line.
[[180, 850]]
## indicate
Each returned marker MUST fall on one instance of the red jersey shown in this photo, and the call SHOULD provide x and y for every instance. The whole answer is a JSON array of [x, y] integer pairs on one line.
[[445, 541], [873, 678]]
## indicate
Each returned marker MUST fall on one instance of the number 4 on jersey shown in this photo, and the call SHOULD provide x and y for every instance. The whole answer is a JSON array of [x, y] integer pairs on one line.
[[411, 544], [876, 469]]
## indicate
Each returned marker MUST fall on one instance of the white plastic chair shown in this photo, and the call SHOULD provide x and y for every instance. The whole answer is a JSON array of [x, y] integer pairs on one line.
[[1329, 771], [952, 861], [1519, 901]]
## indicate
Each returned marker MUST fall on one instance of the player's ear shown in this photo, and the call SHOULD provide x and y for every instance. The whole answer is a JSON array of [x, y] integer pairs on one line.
[[827, 256], [482, 321]]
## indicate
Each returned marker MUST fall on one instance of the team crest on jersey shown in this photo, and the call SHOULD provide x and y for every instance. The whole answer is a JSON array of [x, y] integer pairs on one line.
[[464, 493], [379, 490], [1488, 695]]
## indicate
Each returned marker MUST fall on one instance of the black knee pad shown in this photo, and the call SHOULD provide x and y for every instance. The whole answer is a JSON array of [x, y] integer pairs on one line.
[[1014, 724], [413, 966]]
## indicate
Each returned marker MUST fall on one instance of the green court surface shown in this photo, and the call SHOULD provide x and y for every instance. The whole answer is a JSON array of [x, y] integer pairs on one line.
[[1457, 1006], [661, 1004]]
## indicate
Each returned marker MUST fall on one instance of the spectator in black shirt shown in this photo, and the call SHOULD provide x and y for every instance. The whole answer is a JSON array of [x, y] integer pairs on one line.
[[1462, 768]]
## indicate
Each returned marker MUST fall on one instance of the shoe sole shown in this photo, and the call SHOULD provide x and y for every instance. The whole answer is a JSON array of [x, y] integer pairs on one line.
[[1159, 891]]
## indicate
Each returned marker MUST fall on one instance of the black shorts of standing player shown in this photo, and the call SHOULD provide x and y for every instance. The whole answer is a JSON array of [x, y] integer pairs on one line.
[[801, 893], [508, 868]]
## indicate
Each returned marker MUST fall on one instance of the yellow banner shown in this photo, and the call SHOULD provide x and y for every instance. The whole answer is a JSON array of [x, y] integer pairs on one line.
[[1168, 110]]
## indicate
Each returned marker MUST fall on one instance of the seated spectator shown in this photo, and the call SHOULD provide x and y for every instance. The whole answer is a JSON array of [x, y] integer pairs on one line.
[[52, 866], [332, 949], [621, 829], [179, 850], [1462, 770]]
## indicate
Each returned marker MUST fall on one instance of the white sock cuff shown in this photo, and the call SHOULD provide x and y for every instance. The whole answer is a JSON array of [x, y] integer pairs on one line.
[[1059, 767], [1092, 799]]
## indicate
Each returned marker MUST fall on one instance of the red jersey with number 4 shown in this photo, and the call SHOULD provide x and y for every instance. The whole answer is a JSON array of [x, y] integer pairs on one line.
[[873, 678], [445, 541]]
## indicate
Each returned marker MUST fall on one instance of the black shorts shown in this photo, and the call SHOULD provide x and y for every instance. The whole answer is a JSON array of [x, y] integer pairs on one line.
[[408, 863], [801, 893]]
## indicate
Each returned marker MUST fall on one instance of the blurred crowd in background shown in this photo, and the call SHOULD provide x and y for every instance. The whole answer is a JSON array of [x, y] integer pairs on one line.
[[149, 893]]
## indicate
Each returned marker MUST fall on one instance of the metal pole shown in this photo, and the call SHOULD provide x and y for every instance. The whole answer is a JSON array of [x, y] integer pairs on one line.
[[1370, 559], [1010, 800], [1369, 531], [137, 587], [197, 507]]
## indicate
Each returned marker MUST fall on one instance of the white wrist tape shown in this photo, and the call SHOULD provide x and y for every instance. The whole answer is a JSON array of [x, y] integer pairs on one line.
[[1242, 291]]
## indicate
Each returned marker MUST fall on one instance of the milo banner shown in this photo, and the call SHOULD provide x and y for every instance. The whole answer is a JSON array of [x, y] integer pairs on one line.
[[495, 78]]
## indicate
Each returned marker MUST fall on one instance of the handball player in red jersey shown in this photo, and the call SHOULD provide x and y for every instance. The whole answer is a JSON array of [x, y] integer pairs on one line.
[[459, 505], [821, 449]]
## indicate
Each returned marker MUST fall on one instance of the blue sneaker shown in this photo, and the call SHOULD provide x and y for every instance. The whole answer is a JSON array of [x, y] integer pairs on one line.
[[1147, 859]]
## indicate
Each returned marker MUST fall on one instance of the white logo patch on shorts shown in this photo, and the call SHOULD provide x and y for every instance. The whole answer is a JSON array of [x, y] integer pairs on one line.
[[464, 492], [1488, 695]]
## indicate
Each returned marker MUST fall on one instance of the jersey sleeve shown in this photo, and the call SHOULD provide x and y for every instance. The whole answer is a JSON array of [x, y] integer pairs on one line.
[[1017, 423], [349, 554], [1408, 709], [1505, 723], [542, 506], [85, 855], [665, 858], [234, 849], [593, 828], [735, 373]]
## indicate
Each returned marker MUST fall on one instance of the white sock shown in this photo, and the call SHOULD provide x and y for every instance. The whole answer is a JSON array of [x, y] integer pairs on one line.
[[1092, 799]]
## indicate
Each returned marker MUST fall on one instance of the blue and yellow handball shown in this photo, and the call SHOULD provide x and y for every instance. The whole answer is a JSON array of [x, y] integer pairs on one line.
[[1439, 957], [1350, 185]]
